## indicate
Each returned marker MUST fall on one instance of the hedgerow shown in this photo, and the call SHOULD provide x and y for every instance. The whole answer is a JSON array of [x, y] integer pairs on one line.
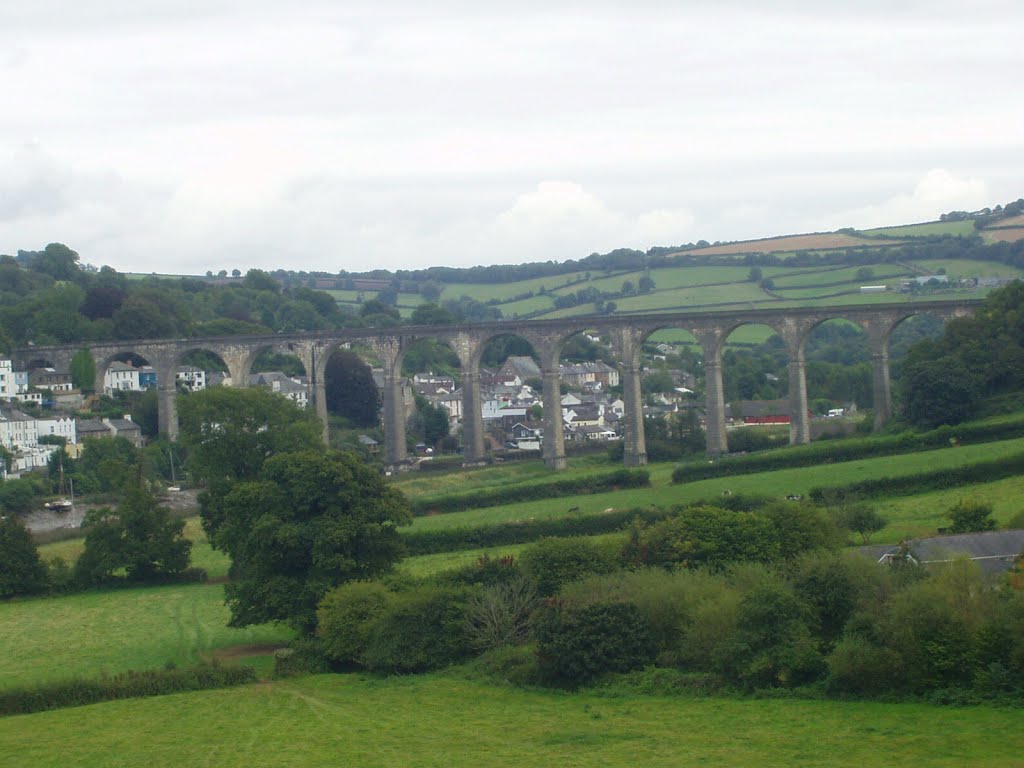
[[126, 685], [848, 450], [922, 482], [611, 481], [524, 531]]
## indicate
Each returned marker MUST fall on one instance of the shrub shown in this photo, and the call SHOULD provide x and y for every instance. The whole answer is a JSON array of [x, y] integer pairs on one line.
[[551, 563], [304, 656], [667, 600], [346, 616], [500, 613], [859, 518], [509, 664], [420, 630], [708, 536], [486, 571], [971, 515], [862, 667], [772, 645], [576, 645]]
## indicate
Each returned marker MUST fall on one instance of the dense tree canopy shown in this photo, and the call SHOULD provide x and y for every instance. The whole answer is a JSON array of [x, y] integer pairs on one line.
[[140, 538], [307, 523], [947, 380]]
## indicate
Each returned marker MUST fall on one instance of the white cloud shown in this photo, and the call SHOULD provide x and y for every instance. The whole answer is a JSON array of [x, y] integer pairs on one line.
[[937, 192], [190, 134]]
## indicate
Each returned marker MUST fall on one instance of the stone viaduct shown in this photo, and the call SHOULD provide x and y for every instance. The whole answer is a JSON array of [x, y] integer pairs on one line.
[[626, 333]]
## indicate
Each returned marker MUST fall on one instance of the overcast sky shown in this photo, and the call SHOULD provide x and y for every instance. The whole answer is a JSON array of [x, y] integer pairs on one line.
[[194, 135]]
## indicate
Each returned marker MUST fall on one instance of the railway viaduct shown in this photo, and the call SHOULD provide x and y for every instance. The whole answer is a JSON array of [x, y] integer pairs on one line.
[[626, 334]]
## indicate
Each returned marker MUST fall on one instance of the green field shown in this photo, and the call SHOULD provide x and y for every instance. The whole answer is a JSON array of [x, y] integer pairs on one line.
[[442, 720], [880, 272], [776, 484], [925, 229], [960, 268], [99, 632]]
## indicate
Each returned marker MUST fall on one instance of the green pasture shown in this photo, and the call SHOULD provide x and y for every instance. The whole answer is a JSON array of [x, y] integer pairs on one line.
[[745, 335], [925, 229], [528, 306], [961, 268], [880, 272], [504, 291], [923, 514], [776, 484], [821, 293], [104, 632], [443, 720]]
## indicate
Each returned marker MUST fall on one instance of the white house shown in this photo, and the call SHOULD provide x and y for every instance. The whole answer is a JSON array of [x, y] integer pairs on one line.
[[278, 382], [190, 378], [17, 430], [61, 426], [8, 382], [121, 377]]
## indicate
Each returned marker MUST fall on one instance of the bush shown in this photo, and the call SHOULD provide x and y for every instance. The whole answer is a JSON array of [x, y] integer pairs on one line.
[[860, 518], [970, 515], [346, 616], [420, 630], [486, 571], [551, 563], [667, 600], [304, 656], [508, 664], [862, 667], [576, 645], [500, 614], [706, 536]]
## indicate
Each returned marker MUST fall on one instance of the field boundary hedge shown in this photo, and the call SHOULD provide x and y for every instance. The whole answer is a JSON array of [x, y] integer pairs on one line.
[[923, 482], [573, 486], [125, 685], [526, 531], [848, 450]]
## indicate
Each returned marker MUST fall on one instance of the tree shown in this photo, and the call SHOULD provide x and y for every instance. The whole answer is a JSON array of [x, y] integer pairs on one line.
[[939, 391], [861, 519], [83, 371], [431, 314], [21, 570], [56, 260], [258, 280], [309, 522], [140, 537], [755, 275], [350, 389]]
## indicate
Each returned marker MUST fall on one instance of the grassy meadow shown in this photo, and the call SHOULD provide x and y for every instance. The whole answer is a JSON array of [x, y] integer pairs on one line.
[[454, 718], [442, 720]]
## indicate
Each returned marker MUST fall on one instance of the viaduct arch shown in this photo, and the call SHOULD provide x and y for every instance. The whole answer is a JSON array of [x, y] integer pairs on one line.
[[627, 333]]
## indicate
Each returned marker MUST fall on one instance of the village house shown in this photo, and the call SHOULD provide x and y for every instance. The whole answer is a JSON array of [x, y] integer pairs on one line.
[[292, 388]]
